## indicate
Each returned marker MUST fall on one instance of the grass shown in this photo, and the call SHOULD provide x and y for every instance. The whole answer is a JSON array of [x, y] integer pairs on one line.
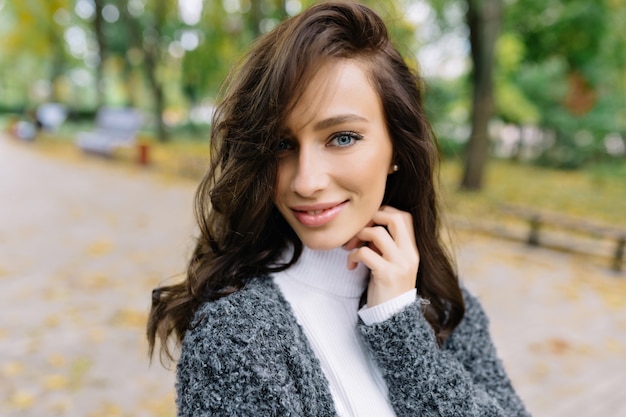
[[597, 193]]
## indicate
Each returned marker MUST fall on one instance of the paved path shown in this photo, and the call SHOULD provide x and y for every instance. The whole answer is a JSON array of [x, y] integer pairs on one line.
[[559, 322], [83, 243]]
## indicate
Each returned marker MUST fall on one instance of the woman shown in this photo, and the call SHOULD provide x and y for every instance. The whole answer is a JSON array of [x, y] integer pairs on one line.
[[319, 285]]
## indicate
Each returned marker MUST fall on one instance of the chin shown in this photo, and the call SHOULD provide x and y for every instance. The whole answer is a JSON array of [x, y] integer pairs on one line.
[[321, 243]]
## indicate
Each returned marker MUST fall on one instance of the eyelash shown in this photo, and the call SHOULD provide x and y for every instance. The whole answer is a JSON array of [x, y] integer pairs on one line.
[[352, 135], [287, 145]]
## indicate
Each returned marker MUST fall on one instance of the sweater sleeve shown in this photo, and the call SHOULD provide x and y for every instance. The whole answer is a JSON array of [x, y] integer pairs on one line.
[[464, 378]]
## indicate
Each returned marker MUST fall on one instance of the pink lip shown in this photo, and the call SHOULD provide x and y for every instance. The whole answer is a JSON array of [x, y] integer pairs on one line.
[[328, 212]]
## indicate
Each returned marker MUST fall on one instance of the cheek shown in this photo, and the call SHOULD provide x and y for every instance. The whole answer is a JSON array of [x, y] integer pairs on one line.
[[368, 178], [374, 168]]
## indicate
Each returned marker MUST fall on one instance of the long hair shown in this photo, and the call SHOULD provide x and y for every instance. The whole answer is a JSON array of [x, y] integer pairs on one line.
[[241, 233]]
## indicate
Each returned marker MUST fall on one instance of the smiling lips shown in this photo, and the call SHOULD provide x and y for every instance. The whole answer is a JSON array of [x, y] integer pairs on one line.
[[319, 214]]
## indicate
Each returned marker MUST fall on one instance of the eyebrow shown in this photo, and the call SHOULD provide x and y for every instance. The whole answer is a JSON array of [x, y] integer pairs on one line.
[[337, 120]]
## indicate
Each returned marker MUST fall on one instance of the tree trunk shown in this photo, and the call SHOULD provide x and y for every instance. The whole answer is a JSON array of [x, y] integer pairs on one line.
[[256, 16], [129, 72], [159, 100], [57, 67], [148, 40], [153, 53], [98, 26], [484, 18]]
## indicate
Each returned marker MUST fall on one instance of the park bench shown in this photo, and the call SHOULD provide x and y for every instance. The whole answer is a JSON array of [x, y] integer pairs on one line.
[[51, 116], [114, 128], [538, 219]]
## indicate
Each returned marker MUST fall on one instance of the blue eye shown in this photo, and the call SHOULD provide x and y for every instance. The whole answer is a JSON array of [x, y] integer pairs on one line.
[[345, 139]]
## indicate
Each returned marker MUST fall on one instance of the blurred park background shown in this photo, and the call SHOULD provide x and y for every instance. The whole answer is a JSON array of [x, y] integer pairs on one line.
[[514, 88], [105, 112]]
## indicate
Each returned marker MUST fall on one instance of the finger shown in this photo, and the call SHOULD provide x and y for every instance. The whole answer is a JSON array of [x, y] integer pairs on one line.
[[398, 223], [379, 240], [368, 257], [366, 238]]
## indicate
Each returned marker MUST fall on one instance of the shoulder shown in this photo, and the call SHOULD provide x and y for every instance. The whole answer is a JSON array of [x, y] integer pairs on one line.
[[224, 352], [257, 307], [259, 292], [245, 355]]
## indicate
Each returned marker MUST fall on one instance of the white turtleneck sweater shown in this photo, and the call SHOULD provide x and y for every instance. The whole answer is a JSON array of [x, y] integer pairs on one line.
[[325, 296]]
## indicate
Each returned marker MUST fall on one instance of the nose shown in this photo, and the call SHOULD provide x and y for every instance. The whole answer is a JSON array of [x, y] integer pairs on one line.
[[311, 173]]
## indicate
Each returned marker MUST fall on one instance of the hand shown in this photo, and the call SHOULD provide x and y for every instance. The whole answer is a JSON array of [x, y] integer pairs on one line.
[[387, 247]]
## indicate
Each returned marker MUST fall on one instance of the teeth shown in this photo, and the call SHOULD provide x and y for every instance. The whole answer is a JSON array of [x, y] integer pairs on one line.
[[312, 213]]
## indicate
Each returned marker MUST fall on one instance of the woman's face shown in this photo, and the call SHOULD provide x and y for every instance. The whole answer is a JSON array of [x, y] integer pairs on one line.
[[334, 157]]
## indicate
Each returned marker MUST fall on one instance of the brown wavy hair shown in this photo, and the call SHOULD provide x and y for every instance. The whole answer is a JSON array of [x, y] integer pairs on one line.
[[241, 232]]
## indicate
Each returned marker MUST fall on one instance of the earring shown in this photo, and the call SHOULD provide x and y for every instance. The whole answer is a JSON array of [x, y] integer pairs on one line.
[[395, 168]]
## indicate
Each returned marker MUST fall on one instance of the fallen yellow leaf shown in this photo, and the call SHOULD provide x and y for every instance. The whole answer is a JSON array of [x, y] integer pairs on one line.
[[78, 369], [12, 369], [52, 320], [107, 409], [97, 282], [99, 248], [131, 318], [60, 407], [614, 345], [57, 360], [55, 382], [96, 335], [162, 406], [22, 400], [539, 371]]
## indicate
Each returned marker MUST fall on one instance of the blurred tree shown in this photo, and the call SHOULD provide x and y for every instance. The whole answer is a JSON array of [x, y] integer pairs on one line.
[[36, 34], [160, 16], [224, 34], [560, 66], [124, 41], [149, 32], [572, 69], [560, 63], [98, 28], [484, 19], [512, 105], [227, 29]]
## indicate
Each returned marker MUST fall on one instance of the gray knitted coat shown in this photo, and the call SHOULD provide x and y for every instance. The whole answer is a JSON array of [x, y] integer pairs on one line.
[[246, 355]]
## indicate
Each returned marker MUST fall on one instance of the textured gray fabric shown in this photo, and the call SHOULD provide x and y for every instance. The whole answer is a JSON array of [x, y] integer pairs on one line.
[[247, 356]]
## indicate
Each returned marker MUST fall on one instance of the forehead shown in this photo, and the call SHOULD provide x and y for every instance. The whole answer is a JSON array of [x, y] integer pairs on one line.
[[337, 87]]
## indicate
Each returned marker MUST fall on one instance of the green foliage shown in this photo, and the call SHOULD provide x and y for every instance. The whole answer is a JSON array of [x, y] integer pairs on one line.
[[225, 36], [546, 49], [570, 71], [512, 104], [446, 104], [561, 66], [573, 29], [31, 48]]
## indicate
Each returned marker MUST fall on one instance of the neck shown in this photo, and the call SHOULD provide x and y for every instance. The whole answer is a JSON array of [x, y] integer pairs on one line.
[[327, 270]]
